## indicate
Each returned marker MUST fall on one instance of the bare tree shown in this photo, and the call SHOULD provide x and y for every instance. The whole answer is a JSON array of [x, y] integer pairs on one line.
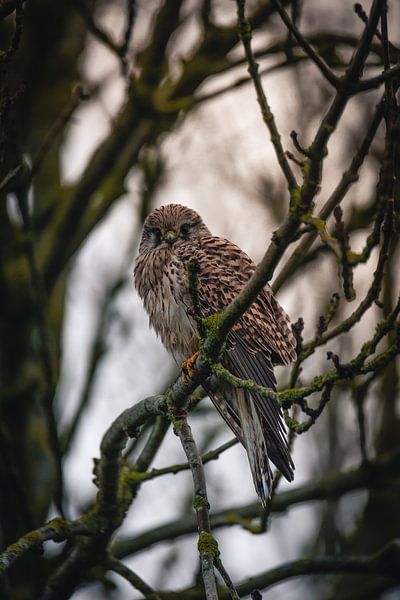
[[45, 222]]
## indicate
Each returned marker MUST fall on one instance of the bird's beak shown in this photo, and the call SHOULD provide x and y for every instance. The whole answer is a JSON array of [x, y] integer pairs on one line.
[[170, 236]]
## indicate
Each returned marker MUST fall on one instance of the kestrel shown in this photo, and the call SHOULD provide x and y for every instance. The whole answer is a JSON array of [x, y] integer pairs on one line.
[[172, 237]]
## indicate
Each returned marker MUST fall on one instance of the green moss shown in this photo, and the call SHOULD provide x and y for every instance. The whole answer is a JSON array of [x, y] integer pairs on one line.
[[235, 519], [245, 32], [211, 323], [295, 197], [33, 538], [93, 519], [292, 424], [170, 407], [60, 527], [200, 502], [13, 549], [305, 169], [137, 477], [124, 489], [288, 397], [207, 544]]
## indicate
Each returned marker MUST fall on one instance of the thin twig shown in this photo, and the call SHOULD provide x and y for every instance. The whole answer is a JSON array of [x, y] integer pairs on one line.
[[131, 12], [245, 36], [23, 173], [349, 177], [308, 49], [177, 468], [133, 578]]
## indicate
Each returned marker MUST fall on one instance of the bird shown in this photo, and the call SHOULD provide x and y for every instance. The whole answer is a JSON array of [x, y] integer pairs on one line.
[[173, 237]]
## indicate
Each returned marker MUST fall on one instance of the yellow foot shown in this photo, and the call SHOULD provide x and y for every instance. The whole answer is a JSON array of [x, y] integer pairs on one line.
[[188, 366]]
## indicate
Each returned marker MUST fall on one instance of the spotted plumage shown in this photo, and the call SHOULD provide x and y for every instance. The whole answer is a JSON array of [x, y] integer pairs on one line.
[[174, 235]]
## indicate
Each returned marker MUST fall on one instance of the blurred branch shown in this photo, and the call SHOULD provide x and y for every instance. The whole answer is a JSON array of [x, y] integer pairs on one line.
[[24, 173], [39, 303], [384, 562], [358, 394], [373, 82], [97, 351], [153, 59], [95, 30], [122, 146], [244, 81], [102, 36], [7, 7], [6, 56], [140, 122], [136, 582], [374, 475], [14, 478], [130, 21]]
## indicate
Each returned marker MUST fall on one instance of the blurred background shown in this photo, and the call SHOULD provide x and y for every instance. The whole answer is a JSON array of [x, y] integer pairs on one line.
[[109, 109]]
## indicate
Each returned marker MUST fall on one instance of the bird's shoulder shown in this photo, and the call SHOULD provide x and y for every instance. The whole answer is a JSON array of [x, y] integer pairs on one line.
[[217, 256], [223, 271]]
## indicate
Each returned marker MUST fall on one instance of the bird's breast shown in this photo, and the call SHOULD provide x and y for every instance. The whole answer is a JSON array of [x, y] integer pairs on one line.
[[163, 299]]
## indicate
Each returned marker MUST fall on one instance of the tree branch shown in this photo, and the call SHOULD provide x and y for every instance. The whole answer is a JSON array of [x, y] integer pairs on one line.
[[373, 475], [308, 49], [57, 530], [245, 36], [207, 544], [136, 582]]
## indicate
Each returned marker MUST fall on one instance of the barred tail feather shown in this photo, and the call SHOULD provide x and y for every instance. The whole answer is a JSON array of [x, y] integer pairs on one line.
[[254, 442]]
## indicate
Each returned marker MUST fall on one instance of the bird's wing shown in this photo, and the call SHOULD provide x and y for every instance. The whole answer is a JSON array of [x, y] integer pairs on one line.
[[261, 337]]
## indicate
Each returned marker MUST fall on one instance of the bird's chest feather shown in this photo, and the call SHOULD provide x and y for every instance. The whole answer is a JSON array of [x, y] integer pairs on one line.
[[164, 293]]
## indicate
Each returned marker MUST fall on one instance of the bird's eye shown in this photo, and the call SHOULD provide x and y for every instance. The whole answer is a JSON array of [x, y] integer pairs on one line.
[[185, 228], [155, 233]]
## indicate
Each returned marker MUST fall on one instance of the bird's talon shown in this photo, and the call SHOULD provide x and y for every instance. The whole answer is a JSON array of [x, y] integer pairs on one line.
[[188, 366]]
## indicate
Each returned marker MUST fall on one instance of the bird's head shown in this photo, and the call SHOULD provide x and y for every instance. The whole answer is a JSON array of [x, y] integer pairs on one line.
[[170, 225]]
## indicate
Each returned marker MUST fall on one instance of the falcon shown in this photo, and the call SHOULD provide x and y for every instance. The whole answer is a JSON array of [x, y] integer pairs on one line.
[[173, 237]]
